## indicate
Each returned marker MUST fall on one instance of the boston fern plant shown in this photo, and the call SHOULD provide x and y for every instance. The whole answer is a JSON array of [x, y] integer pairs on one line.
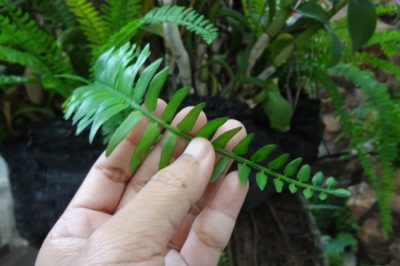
[[118, 86]]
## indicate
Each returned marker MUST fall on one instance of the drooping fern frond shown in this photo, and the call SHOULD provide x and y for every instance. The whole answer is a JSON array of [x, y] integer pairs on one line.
[[386, 135], [183, 16], [118, 13], [19, 31], [118, 86], [24, 42], [389, 40], [381, 64], [90, 21], [14, 56]]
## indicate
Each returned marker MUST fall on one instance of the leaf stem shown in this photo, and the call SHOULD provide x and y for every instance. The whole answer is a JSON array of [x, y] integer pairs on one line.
[[229, 154]]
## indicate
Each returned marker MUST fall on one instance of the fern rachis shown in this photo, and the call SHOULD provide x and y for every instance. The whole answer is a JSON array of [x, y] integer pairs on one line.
[[111, 93]]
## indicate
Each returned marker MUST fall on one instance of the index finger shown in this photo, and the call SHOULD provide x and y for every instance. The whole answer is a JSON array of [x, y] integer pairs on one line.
[[149, 220], [105, 183]]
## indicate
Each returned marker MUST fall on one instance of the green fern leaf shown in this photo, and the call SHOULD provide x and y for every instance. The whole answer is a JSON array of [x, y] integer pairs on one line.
[[174, 104], [183, 16], [208, 130], [261, 180], [123, 130], [278, 184], [90, 21], [113, 92], [144, 81], [222, 140], [308, 193], [292, 167], [120, 12], [304, 173], [154, 89], [262, 153], [190, 119], [167, 149], [279, 162], [243, 172], [142, 149], [292, 188], [243, 146], [219, 168], [317, 179]]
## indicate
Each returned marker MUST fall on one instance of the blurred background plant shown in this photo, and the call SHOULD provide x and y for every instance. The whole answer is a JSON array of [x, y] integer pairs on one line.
[[264, 53]]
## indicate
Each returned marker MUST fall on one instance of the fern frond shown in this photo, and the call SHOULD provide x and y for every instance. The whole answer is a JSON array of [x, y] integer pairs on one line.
[[12, 80], [118, 87], [389, 40], [119, 38], [386, 9], [183, 16], [117, 13], [13, 56], [90, 21], [19, 31], [384, 65], [386, 135], [186, 17]]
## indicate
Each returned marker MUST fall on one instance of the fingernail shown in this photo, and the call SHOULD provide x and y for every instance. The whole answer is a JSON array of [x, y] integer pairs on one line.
[[197, 148]]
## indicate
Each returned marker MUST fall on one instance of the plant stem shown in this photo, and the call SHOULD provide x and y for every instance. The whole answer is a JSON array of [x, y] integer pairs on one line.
[[231, 155]]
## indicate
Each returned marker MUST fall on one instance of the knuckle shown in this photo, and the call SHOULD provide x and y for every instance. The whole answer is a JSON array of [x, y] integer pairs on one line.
[[115, 174], [171, 178], [208, 238]]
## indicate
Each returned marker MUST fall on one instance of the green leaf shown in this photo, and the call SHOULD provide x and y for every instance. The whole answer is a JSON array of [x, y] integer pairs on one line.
[[292, 188], [222, 140], [149, 136], [304, 173], [308, 193], [174, 104], [243, 146], [144, 80], [106, 115], [154, 89], [262, 153], [219, 168], [278, 184], [279, 161], [317, 179], [322, 196], [243, 172], [261, 180], [184, 16], [167, 149], [123, 130], [341, 192], [277, 108], [361, 22], [211, 127], [336, 46], [190, 119], [291, 168], [330, 182], [314, 11]]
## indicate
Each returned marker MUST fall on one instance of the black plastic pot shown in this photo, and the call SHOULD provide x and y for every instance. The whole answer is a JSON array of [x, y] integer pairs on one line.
[[49, 162]]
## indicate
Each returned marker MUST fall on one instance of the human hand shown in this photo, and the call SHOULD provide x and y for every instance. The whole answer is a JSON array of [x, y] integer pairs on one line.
[[149, 217]]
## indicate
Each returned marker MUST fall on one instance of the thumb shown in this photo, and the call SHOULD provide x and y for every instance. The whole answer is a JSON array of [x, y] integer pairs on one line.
[[149, 220]]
